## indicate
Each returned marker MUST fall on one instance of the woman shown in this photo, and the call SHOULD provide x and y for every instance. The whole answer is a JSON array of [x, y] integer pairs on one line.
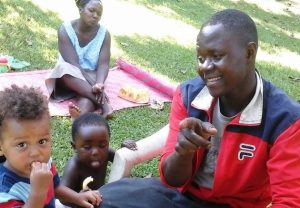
[[84, 47]]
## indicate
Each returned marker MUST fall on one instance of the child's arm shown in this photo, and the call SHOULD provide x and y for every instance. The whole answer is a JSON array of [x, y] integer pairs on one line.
[[40, 180], [71, 176], [87, 199]]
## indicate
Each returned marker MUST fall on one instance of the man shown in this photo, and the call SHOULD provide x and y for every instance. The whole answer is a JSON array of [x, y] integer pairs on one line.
[[234, 138]]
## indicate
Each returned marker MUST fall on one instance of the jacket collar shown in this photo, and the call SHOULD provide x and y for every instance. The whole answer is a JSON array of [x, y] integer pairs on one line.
[[251, 115]]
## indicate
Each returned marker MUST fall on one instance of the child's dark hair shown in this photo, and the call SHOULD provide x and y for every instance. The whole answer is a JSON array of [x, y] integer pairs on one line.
[[82, 3], [22, 103], [88, 119]]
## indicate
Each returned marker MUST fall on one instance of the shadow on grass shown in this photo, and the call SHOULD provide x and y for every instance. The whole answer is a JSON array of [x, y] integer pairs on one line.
[[274, 29], [159, 56], [282, 77], [28, 33]]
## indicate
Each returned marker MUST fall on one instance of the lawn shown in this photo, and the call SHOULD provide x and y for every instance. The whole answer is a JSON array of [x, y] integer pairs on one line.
[[157, 35]]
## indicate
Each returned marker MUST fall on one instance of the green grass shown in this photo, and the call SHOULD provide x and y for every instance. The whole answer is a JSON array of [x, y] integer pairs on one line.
[[29, 33]]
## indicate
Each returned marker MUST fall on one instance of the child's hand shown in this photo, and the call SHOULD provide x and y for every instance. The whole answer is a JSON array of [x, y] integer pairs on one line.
[[40, 177], [89, 199], [40, 180], [130, 144]]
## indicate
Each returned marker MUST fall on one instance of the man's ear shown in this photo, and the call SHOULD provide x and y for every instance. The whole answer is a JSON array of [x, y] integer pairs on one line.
[[251, 51]]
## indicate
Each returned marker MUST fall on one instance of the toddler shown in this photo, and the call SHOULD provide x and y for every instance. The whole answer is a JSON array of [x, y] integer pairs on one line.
[[28, 177]]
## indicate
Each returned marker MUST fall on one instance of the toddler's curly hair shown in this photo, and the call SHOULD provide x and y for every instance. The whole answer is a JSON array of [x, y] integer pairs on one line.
[[22, 103]]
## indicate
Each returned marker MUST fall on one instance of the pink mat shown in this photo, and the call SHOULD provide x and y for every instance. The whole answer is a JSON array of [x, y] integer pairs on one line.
[[123, 74]]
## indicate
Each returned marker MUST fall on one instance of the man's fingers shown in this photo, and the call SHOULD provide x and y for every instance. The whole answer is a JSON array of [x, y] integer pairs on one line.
[[203, 129], [194, 138], [189, 123], [194, 134], [208, 129], [184, 146]]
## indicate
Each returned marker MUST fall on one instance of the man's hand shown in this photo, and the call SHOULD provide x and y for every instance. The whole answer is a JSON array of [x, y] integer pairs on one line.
[[194, 133]]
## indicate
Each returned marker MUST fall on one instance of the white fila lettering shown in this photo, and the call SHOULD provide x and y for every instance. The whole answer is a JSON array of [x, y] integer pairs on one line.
[[246, 150]]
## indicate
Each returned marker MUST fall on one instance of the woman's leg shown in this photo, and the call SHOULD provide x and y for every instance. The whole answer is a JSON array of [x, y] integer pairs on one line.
[[80, 87], [86, 100], [106, 107]]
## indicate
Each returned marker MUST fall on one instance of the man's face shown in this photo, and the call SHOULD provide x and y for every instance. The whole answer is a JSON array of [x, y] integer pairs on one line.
[[222, 61], [24, 142]]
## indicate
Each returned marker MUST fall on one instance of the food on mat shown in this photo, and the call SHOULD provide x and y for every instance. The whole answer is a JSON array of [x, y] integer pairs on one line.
[[156, 104], [133, 94]]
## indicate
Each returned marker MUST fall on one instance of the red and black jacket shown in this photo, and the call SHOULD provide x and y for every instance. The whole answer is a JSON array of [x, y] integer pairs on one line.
[[259, 156]]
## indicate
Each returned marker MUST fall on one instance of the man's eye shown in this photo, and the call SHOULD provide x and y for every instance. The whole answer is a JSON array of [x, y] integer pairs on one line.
[[21, 145]]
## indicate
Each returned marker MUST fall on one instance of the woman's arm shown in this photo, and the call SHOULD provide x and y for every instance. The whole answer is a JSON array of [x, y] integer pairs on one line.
[[66, 48], [104, 58]]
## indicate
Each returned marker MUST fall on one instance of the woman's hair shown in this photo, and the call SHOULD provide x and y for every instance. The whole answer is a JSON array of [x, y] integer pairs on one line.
[[22, 103], [82, 3], [88, 119]]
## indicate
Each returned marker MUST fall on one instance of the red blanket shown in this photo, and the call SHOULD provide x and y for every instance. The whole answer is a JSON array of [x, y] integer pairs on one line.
[[119, 76]]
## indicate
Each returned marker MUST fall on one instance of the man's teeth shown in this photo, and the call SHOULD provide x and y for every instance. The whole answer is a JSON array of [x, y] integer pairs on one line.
[[213, 79]]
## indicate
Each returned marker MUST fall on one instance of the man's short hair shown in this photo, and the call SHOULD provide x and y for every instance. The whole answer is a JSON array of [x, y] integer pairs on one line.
[[237, 22]]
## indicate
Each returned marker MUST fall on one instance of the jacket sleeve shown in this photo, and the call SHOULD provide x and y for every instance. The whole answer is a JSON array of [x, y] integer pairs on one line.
[[178, 113], [284, 168], [12, 204]]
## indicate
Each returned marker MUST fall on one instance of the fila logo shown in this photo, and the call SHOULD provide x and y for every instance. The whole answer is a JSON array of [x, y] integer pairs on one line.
[[246, 150]]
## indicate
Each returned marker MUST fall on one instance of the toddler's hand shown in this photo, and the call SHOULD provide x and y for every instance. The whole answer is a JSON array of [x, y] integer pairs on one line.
[[89, 199], [40, 177]]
